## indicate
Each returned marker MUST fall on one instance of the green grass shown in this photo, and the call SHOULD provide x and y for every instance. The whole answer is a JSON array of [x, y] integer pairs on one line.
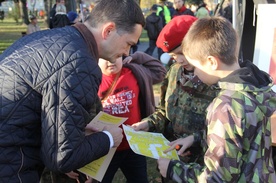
[[10, 31]]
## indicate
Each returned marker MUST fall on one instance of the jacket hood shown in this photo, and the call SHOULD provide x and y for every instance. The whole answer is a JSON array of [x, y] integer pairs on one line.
[[253, 83], [249, 74]]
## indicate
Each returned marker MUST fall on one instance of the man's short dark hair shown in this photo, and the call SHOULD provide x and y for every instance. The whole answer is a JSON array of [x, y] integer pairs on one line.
[[124, 13]]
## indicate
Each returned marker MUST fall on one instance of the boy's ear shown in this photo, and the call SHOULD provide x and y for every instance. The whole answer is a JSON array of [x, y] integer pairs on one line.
[[107, 29], [212, 62]]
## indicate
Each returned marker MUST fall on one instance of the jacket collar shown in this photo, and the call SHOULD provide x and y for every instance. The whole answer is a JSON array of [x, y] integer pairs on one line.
[[89, 39], [182, 9]]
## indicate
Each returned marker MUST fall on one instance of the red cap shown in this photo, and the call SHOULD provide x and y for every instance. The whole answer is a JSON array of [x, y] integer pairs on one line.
[[173, 33]]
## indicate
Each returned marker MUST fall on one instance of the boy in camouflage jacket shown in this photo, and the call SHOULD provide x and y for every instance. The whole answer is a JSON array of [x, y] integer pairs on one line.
[[238, 136], [184, 98]]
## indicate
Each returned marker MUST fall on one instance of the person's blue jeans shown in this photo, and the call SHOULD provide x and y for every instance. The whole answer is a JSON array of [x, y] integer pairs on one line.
[[133, 166], [152, 46]]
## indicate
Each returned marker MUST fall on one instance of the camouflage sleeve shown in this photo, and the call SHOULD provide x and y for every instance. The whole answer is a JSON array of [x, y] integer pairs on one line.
[[223, 158], [158, 120]]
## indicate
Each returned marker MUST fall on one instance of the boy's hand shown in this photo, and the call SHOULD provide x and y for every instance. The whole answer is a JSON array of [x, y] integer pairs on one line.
[[127, 60], [89, 129], [141, 126]]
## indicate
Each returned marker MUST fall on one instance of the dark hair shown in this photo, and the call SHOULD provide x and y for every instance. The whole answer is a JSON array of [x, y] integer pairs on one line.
[[124, 13]]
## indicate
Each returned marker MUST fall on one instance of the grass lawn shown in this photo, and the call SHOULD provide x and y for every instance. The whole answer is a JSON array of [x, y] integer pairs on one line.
[[10, 31]]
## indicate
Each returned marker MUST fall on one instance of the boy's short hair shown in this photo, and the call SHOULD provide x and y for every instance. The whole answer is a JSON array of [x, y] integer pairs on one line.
[[212, 36], [124, 13]]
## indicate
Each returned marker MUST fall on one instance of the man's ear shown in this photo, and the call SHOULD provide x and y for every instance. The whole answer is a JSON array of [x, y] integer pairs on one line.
[[212, 62], [107, 29]]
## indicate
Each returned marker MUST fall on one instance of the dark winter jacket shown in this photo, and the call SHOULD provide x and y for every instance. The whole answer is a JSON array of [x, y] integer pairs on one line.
[[49, 82], [153, 26]]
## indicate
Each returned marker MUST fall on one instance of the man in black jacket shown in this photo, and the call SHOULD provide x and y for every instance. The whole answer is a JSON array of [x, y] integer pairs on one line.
[[153, 26], [53, 12], [49, 83]]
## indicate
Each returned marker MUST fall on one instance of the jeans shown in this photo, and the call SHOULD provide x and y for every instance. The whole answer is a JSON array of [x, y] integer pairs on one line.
[[152, 46], [133, 166]]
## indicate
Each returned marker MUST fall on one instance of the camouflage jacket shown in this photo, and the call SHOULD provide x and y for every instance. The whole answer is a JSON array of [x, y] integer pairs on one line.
[[183, 102], [238, 138]]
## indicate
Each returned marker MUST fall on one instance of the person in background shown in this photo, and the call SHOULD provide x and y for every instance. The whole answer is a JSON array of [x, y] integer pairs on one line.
[[2, 15], [164, 12], [33, 26], [170, 7], [153, 27], [238, 134], [227, 11], [180, 9], [53, 12], [202, 11], [60, 19], [73, 17], [49, 89], [130, 83], [41, 14], [184, 98]]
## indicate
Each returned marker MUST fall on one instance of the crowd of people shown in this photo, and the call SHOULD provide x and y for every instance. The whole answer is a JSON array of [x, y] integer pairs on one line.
[[54, 82]]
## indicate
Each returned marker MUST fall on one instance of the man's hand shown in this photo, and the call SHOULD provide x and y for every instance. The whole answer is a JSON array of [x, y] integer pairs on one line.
[[141, 126], [89, 129], [73, 175], [117, 134], [127, 60], [163, 164]]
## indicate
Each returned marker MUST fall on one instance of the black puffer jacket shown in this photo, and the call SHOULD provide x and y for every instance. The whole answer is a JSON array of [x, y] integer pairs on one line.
[[49, 82], [153, 26]]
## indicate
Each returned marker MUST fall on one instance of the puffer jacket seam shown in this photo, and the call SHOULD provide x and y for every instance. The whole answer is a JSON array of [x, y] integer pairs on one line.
[[21, 165], [23, 97], [57, 117]]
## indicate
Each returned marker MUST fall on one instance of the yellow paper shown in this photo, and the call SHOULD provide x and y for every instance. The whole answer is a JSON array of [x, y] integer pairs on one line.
[[97, 168], [149, 144]]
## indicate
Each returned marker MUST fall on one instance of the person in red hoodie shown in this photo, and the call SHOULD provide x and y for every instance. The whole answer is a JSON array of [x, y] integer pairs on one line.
[[180, 9], [126, 91]]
